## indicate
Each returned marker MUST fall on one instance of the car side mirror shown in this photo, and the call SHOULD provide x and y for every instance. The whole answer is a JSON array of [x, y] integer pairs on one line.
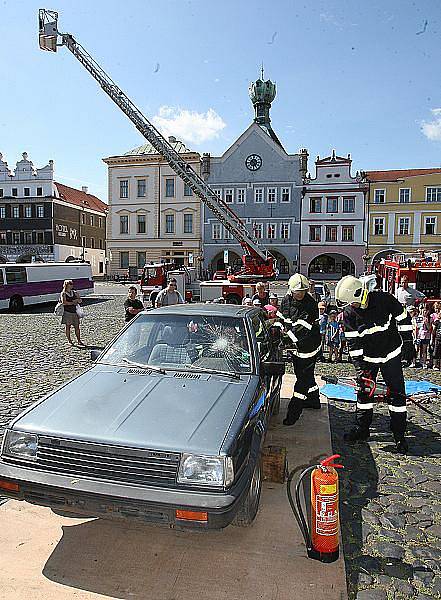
[[94, 354], [272, 368]]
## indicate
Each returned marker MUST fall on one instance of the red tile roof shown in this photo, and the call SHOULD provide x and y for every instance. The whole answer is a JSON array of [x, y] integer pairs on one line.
[[80, 198], [398, 174]]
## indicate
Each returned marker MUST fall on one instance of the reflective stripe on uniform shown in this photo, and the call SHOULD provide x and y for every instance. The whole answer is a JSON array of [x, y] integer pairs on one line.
[[405, 327], [356, 352], [350, 334], [299, 395], [397, 409], [402, 316], [306, 354], [292, 336], [303, 324], [279, 314], [313, 388], [379, 359], [369, 330], [365, 405]]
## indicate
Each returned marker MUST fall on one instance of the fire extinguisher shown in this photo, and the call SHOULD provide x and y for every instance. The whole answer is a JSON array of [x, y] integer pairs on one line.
[[321, 536]]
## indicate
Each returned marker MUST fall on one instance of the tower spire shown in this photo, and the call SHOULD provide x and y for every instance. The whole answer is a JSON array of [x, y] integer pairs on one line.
[[261, 73]]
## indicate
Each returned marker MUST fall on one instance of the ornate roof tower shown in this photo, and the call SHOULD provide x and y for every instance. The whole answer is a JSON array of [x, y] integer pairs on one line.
[[262, 93]]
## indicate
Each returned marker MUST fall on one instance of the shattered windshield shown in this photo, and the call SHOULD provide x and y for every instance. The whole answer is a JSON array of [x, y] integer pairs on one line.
[[184, 342]]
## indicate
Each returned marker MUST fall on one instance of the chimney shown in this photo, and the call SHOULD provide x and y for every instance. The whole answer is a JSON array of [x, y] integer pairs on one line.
[[84, 188]]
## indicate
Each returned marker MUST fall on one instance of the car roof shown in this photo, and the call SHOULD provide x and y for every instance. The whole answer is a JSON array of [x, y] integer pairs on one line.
[[225, 310]]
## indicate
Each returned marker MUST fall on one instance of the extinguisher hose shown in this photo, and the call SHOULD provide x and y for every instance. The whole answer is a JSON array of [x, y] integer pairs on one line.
[[296, 506]]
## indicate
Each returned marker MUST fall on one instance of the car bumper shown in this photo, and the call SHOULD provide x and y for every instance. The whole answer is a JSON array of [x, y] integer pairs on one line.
[[88, 497]]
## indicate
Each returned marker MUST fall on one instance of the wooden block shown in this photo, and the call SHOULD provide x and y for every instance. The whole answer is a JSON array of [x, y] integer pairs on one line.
[[274, 464]]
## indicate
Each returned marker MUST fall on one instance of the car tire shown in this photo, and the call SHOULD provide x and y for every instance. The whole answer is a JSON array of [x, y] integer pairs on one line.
[[16, 304], [250, 505]]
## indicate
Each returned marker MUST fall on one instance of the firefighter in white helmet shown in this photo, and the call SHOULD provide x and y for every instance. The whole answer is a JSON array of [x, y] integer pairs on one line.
[[300, 317], [376, 326]]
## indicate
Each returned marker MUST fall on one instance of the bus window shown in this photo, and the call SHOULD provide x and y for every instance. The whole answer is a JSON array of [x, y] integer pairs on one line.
[[16, 274]]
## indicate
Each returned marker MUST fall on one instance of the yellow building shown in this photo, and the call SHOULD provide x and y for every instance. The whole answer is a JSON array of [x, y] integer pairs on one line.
[[404, 211]]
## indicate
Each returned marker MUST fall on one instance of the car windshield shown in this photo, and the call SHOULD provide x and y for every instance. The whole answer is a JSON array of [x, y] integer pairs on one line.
[[184, 342]]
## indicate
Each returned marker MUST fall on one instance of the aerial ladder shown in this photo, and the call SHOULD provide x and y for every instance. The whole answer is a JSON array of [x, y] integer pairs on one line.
[[257, 262]]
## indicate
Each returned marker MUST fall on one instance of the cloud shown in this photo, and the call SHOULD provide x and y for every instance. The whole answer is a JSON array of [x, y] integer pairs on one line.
[[432, 129], [189, 125]]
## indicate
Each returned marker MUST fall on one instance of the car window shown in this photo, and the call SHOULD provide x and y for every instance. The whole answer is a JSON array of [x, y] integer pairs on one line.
[[260, 327], [184, 342]]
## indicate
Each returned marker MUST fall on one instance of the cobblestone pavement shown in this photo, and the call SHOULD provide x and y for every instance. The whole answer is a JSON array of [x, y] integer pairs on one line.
[[390, 504]]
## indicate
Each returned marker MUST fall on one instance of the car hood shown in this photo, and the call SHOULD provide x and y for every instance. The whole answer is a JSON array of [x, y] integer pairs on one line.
[[117, 406]]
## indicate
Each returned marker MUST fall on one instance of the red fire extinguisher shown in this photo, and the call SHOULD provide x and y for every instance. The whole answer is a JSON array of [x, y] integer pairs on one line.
[[321, 536]]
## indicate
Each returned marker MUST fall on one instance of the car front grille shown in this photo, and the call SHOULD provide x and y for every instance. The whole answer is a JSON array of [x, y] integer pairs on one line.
[[103, 462]]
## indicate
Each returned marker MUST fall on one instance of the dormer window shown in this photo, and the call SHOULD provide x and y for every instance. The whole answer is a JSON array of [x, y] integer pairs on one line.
[[336, 174]]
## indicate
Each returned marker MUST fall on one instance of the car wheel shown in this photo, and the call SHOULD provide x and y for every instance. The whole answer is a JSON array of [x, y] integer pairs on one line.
[[16, 304], [248, 510]]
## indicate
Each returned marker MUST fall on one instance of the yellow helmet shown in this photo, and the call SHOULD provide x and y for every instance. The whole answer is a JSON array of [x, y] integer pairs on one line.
[[298, 283], [350, 289]]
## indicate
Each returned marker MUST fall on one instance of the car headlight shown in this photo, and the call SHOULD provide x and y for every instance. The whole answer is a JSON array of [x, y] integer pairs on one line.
[[20, 444], [206, 470]]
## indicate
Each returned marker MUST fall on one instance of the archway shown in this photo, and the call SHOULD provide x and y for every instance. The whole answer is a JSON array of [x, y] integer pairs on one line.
[[282, 264], [384, 254], [234, 261], [331, 266]]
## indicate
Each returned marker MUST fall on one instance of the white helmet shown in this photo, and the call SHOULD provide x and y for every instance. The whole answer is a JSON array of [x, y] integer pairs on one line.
[[298, 283], [350, 289]]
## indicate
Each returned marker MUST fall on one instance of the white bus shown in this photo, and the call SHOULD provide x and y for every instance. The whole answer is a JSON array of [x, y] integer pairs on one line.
[[24, 284]]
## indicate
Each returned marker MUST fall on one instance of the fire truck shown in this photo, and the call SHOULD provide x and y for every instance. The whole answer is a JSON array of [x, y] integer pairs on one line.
[[257, 263], [423, 272]]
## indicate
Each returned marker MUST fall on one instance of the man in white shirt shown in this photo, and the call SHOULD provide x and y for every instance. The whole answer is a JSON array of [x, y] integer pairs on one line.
[[169, 295], [407, 295]]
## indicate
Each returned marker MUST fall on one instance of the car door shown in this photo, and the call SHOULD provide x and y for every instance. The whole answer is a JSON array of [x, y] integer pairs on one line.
[[266, 352]]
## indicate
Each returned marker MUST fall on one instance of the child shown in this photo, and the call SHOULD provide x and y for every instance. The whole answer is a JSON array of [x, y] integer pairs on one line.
[[341, 329], [333, 336]]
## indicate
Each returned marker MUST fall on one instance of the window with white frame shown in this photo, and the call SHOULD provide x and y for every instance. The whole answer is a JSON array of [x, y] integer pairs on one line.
[[187, 190], [15, 237], [218, 192], [91, 221], [430, 225], [142, 188], [331, 233], [228, 196], [170, 223], [188, 223], [216, 233], [28, 211], [28, 237], [27, 191], [2, 212], [258, 230], [286, 195], [123, 260], [39, 191], [169, 188], [315, 233], [124, 188], [348, 204], [83, 241], [315, 205], [404, 195], [124, 224], [15, 212], [379, 196], [271, 231], [284, 231], [15, 191], [379, 226], [100, 222], [3, 237], [332, 204], [433, 194], [258, 195], [141, 224], [240, 196], [227, 234], [403, 225], [272, 195], [347, 233]]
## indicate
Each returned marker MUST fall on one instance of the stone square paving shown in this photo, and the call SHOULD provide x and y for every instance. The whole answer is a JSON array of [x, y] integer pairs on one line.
[[390, 504]]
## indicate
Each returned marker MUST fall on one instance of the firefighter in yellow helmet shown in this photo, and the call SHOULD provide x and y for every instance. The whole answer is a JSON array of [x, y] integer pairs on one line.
[[300, 317], [376, 328]]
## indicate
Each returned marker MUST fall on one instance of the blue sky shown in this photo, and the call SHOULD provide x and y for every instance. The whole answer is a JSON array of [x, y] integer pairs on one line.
[[361, 77]]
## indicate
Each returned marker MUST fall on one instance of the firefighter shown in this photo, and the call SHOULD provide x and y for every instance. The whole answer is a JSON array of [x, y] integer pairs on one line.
[[376, 325], [300, 317]]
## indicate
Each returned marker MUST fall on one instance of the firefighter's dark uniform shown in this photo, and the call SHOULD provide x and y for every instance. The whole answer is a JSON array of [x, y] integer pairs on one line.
[[375, 336], [300, 319]]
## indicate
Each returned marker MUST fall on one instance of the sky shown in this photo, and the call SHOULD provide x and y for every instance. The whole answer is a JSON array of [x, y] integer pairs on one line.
[[360, 77]]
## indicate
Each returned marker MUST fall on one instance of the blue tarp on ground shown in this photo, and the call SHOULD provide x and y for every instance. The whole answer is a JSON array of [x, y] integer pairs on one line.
[[343, 392]]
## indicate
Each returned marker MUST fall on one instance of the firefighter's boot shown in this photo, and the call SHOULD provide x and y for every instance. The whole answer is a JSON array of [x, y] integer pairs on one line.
[[402, 445], [312, 403], [356, 435]]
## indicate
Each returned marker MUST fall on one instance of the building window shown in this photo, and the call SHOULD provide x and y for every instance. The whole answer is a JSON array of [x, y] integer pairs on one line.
[[83, 241], [315, 205], [100, 222], [271, 231], [123, 260], [227, 234], [92, 242], [15, 237], [347, 233], [433, 194], [170, 222], [404, 195], [379, 196], [331, 205], [216, 231], [403, 225], [218, 192], [142, 188], [83, 219], [40, 211], [2, 238], [315, 233], [28, 211], [169, 188], [258, 195], [258, 230], [141, 224], [228, 196], [2, 212], [39, 191], [1, 192], [124, 224], [101, 243], [284, 231], [91, 220], [28, 237], [240, 196], [140, 260], [379, 226], [188, 223], [124, 188], [286, 195], [187, 190], [27, 191], [40, 237], [349, 205], [14, 191], [15, 212], [430, 225], [331, 233], [272, 195]]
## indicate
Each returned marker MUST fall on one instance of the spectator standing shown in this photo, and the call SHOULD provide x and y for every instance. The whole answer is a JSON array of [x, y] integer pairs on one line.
[[132, 305], [333, 336], [323, 321], [423, 334], [312, 291], [261, 294], [70, 300], [407, 295], [341, 334], [169, 295], [436, 341]]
